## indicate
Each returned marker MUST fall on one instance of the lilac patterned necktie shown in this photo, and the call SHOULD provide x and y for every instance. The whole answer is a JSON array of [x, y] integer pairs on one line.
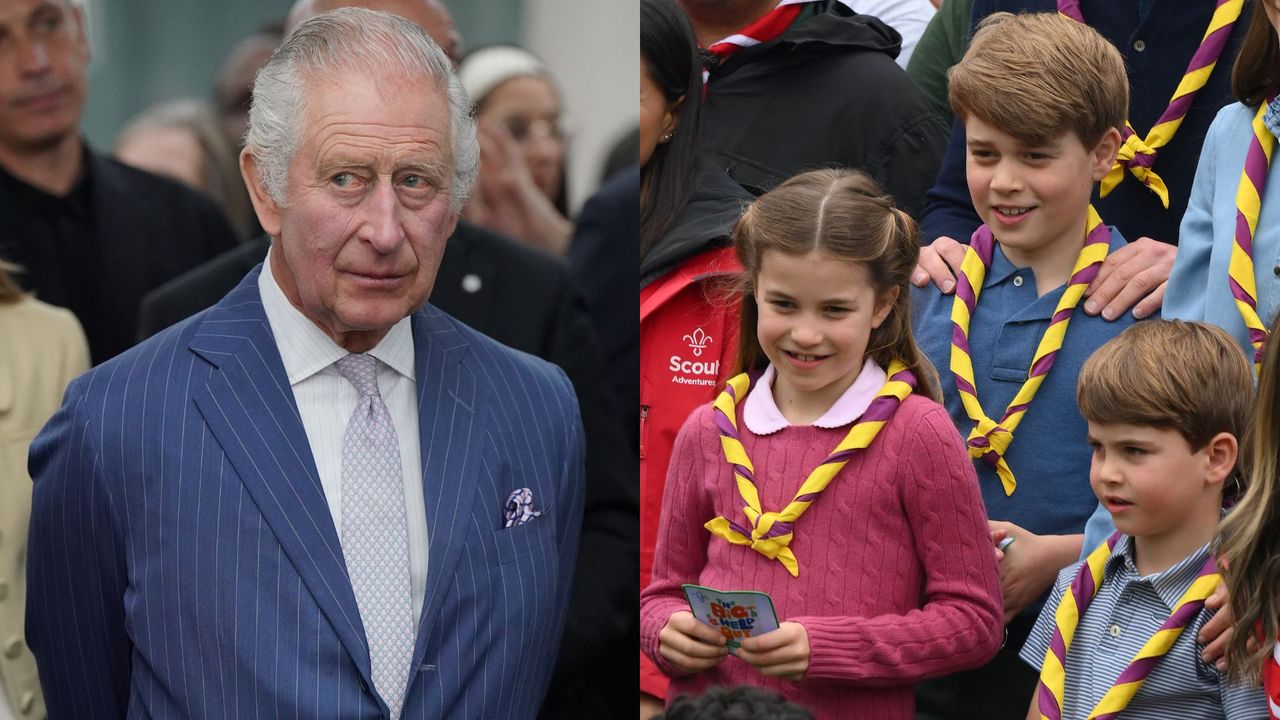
[[375, 539]]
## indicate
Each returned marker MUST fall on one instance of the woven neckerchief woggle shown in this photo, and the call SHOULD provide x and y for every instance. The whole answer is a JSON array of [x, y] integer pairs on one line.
[[770, 533], [1137, 154], [1253, 180], [1076, 599], [990, 440]]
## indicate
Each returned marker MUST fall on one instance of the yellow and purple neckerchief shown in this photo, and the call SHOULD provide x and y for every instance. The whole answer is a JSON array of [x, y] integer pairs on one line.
[[1071, 608], [1137, 154], [1253, 180], [990, 440], [770, 533]]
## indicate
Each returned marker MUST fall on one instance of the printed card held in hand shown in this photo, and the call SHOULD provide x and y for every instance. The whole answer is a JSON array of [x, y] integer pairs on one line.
[[736, 614]]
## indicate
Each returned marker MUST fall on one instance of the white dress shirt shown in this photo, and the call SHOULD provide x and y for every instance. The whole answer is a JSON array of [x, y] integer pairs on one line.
[[326, 401]]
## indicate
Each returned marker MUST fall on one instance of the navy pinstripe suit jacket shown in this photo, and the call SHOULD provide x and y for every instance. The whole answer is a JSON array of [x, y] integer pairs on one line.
[[183, 562]]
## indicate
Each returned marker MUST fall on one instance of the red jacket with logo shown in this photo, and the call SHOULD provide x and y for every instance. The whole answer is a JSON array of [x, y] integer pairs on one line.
[[688, 338]]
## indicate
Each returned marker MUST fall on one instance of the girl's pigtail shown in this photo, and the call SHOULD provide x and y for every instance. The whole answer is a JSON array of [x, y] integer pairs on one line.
[[1249, 545]]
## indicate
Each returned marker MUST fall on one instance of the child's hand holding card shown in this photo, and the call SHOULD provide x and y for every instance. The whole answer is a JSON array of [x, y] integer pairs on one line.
[[737, 614]]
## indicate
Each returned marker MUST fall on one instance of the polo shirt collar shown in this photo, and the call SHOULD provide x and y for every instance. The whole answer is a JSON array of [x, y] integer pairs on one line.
[[305, 349], [1169, 584], [1001, 269], [1043, 307]]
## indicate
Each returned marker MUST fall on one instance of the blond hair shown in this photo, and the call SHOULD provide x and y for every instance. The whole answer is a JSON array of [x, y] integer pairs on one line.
[[1037, 75], [847, 216], [1185, 376], [1249, 546]]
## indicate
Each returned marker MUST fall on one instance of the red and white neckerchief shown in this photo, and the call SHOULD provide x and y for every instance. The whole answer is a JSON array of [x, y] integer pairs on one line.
[[765, 28], [1271, 681]]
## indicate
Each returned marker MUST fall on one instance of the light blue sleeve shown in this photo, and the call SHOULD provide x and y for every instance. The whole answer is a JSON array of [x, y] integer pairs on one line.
[[1184, 296], [1096, 531]]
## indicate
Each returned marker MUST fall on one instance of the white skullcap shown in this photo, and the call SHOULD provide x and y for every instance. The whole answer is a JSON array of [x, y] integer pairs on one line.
[[485, 69]]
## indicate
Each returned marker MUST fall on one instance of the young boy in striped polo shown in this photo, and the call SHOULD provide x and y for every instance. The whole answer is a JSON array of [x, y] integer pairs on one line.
[[1166, 403]]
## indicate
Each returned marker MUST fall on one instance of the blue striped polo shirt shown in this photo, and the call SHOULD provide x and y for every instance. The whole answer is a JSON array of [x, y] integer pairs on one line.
[[1125, 613]]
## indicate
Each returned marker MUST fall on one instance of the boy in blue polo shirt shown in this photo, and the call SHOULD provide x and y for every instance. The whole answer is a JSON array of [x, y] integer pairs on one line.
[[1042, 99], [1166, 402]]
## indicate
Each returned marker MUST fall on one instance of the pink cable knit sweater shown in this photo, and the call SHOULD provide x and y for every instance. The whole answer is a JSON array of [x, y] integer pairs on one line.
[[898, 579]]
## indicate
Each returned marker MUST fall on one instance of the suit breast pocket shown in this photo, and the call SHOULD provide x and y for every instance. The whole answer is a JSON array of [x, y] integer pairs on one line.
[[521, 541]]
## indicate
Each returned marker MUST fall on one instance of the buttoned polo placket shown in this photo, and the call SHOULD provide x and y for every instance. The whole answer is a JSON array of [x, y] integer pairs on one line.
[[1010, 293], [1160, 590], [1119, 625]]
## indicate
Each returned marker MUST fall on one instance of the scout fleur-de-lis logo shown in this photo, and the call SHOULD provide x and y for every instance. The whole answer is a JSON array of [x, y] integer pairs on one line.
[[698, 341]]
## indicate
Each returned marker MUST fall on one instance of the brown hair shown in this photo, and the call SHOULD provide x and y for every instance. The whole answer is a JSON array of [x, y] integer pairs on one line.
[[1255, 73], [9, 290], [1185, 376], [1037, 75], [847, 216], [1249, 549]]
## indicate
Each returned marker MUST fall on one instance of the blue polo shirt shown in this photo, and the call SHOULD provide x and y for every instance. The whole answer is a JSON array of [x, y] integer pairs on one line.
[[1125, 613], [1049, 455]]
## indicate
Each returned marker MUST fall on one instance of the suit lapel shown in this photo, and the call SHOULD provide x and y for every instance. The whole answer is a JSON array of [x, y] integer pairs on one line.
[[249, 406], [451, 439]]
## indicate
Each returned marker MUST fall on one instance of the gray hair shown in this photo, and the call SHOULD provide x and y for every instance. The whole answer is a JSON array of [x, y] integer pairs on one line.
[[341, 40]]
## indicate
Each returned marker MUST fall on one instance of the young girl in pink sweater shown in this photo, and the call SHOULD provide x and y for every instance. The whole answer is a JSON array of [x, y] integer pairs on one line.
[[828, 476]]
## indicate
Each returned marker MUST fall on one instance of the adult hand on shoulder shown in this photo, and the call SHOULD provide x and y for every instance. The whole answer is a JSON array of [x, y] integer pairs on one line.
[[940, 263], [1132, 277], [1029, 565], [782, 653], [690, 645], [1216, 633]]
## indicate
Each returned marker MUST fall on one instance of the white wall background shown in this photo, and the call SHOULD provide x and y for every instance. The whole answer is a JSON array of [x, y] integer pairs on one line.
[[593, 47]]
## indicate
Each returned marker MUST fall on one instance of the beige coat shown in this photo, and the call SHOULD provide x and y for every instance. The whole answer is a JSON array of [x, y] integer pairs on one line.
[[41, 349]]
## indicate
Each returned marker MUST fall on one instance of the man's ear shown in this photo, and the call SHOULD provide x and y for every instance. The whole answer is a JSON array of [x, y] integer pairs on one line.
[[1220, 457], [1103, 155], [264, 205]]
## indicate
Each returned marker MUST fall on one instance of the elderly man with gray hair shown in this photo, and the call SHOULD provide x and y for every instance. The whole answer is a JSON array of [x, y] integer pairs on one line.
[[322, 497]]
